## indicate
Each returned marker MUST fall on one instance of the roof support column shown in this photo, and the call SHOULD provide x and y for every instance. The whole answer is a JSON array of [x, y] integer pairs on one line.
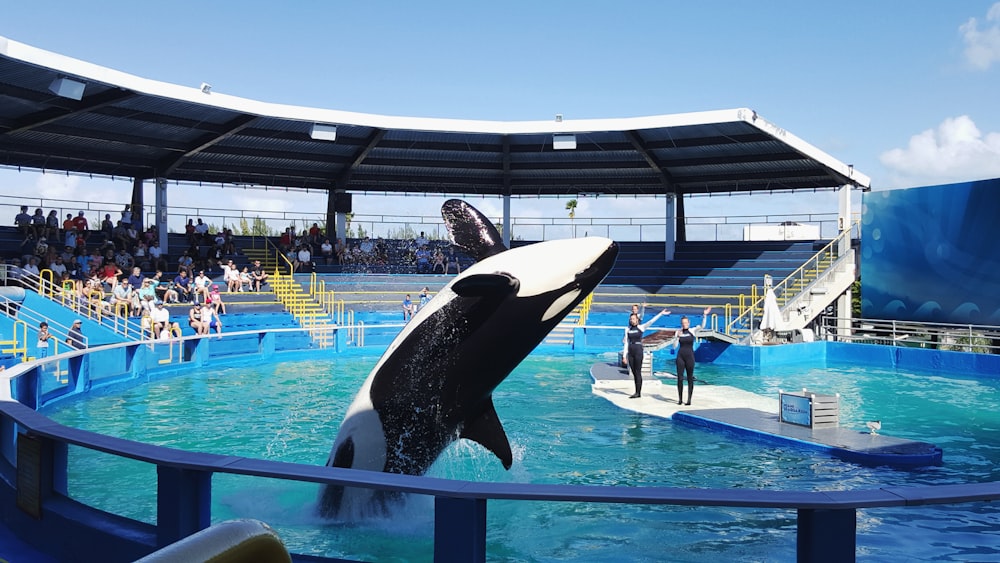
[[331, 216], [336, 216], [138, 220], [844, 311], [670, 231], [506, 220], [161, 215]]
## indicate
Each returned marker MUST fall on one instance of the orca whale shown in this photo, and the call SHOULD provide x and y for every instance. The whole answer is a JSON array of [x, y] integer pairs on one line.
[[434, 383]]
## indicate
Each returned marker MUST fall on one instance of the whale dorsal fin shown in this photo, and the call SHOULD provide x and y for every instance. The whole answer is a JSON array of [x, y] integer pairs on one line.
[[487, 431], [470, 230]]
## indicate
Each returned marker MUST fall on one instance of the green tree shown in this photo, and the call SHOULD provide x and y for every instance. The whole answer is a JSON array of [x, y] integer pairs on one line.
[[571, 205]]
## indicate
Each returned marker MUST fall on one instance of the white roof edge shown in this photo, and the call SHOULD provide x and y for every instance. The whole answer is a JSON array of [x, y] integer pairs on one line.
[[848, 171], [96, 73]]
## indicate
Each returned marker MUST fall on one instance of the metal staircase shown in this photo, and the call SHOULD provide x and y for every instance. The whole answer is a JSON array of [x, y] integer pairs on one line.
[[563, 333], [803, 295]]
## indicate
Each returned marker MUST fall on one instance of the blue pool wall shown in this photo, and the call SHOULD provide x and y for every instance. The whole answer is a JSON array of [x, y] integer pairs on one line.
[[184, 480]]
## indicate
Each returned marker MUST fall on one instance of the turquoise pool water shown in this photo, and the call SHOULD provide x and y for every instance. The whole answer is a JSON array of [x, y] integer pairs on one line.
[[561, 433]]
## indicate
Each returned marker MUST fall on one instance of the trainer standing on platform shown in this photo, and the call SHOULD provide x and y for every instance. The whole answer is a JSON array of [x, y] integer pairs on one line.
[[685, 337], [633, 348]]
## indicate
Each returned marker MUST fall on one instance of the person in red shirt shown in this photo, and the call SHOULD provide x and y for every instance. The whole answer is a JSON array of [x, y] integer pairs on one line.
[[80, 222], [68, 223]]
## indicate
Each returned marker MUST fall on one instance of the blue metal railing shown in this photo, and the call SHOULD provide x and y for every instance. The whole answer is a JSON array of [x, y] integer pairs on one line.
[[826, 520]]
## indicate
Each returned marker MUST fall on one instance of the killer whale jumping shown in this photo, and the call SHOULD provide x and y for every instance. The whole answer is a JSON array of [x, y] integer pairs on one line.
[[434, 383]]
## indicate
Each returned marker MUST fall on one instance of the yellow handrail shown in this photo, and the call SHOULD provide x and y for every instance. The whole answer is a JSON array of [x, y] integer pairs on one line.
[[19, 344], [805, 273]]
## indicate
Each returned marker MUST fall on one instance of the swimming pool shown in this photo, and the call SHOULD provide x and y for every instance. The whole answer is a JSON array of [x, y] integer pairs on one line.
[[561, 433]]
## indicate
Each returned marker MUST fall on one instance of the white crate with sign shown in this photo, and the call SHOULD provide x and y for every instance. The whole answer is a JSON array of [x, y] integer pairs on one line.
[[808, 408]]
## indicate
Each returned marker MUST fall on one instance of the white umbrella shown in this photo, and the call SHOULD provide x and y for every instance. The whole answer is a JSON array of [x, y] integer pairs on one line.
[[772, 313]]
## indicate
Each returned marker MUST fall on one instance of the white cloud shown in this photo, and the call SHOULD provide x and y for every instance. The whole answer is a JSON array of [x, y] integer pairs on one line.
[[955, 151], [982, 46]]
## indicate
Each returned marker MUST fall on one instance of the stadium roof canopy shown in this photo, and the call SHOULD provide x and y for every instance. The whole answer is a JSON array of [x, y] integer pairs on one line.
[[59, 113]]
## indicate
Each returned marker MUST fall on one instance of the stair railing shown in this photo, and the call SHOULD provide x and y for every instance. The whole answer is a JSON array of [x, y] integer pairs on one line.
[[792, 285]]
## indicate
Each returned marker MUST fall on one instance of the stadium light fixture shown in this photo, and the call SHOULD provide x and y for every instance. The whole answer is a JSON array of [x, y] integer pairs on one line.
[[563, 142], [321, 132], [67, 88]]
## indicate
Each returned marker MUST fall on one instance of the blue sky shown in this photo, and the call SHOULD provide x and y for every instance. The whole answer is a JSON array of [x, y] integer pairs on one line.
[[905, 91]]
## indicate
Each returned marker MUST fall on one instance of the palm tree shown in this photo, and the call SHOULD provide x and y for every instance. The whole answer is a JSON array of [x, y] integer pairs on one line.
[[571, 205]]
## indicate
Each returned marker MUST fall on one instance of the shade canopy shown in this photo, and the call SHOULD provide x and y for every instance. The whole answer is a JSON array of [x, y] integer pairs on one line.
[[59, 113]]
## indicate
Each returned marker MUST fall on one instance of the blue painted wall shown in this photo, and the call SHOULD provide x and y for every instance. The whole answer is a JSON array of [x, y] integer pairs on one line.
[[930, 254]]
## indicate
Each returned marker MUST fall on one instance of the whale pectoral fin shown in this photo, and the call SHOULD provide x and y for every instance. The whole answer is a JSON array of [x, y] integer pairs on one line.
[[487, 431], [486, 285], [470, 230]]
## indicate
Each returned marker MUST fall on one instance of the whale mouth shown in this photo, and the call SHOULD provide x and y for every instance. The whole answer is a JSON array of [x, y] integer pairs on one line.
[[593, 274]]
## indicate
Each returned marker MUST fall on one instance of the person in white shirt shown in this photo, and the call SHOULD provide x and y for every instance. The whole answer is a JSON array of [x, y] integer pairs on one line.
[[161, 320], [303, 259], [231, 275], [32, 266], [201, 284], [210, 319]]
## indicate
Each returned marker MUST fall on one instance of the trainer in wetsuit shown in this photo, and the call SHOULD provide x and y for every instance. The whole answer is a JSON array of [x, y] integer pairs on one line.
[[633, 347], [684, 337]]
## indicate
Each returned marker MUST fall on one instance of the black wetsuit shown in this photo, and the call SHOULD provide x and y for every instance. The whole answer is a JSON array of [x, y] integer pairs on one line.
[[685, 362], [634, 335]]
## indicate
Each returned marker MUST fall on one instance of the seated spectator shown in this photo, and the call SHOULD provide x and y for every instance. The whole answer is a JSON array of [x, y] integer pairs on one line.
[[326, 249], [215, 257], [303, 259], [210, 319], [58, 268], [451, 261], [246, 280], [165, 288], [315, 235], [407, 308], [156, 259], [135, 279], [182, 285], [160, 318], [74, 336], [186, 263], [423, 260], [109, 274], [38, 224], [339, 250], [52, 223], [107, 228], [437, 266], [258, 275], [32, 266], [119, 236], [201, 231], [122, 297], [23, 222], [215, 298], [425, 297], [124, 260], [200, 285], [194, 319], [189, 231], [231, 275], [140, 254], [422, 240], [147, 296], [229, 246]]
